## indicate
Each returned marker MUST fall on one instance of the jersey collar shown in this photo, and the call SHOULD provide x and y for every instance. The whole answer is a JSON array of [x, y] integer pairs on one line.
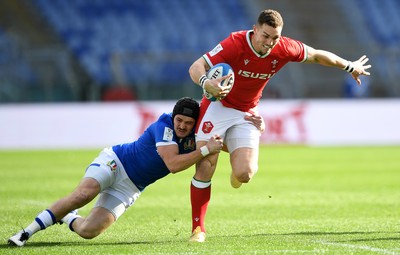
[[248, 38]]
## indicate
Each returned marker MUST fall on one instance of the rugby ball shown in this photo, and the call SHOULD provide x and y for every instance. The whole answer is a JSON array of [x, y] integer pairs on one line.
[[218, 71]]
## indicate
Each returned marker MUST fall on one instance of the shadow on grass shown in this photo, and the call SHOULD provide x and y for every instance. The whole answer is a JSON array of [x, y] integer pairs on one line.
[[85, 243], [312, 233]]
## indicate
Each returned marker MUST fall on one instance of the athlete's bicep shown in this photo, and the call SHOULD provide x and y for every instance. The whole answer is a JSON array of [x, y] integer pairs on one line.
[[168, 152], [311, 55]]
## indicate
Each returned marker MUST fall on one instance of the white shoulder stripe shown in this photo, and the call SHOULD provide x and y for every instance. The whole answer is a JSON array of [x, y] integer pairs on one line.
[[305, 46], [165, 143]]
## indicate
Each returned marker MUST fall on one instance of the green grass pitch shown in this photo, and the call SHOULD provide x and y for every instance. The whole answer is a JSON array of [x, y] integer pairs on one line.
[[303, 200]]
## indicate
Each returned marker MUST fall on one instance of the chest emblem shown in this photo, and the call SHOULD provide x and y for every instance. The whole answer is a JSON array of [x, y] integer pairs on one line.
[[274, 64], [189, 144]]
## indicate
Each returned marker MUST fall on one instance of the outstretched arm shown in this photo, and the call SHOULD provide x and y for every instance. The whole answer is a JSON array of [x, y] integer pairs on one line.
[[326, 58]]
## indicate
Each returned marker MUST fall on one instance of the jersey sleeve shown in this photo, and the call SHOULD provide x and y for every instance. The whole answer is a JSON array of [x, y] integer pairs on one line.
[[164, 131], [295, 50], [224, 52]]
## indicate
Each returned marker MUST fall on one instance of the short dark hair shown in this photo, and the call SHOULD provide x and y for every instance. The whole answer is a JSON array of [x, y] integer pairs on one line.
[[271, 18], [187, 106]]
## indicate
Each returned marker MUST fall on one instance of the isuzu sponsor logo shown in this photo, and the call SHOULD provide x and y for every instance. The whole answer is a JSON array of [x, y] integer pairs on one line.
[[261, 76]]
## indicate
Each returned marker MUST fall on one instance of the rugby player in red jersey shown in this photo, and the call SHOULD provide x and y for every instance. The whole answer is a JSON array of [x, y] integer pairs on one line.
[[255, 56]]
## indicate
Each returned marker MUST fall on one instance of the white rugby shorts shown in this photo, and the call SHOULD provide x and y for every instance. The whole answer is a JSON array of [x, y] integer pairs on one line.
[[230, 125], [118, 192]]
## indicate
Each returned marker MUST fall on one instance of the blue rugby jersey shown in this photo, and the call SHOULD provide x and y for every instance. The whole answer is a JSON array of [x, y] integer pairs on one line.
[[140, 158]]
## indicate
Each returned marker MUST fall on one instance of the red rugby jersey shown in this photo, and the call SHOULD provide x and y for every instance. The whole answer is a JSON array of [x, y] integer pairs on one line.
[[252, 70]]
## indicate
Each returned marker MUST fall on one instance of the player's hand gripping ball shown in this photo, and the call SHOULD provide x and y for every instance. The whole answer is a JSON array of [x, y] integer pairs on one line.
[[219, 71]]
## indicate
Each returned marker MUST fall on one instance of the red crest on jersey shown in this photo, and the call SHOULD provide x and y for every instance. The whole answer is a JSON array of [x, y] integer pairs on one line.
[[207, 127], [274, 64]]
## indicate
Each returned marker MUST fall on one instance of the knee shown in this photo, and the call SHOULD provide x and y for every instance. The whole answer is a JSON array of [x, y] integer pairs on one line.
[[86, 232], [245, 175]]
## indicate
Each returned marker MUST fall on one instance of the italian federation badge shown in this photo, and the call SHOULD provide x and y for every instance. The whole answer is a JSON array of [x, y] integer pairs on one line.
[[113, 165]]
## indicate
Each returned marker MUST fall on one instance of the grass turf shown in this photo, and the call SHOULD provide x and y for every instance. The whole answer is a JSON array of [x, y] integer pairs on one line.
[[324, 200]]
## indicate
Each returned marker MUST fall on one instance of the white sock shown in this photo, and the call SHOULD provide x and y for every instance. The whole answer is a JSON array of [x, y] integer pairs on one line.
[[200, 184], [42, 221], [32, 228], [69, 219]]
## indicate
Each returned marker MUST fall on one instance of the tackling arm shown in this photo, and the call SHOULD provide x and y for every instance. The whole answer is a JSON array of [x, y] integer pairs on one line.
[[177, 162]]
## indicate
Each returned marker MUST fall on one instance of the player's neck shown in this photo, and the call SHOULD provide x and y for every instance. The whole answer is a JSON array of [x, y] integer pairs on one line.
[[253, 45]]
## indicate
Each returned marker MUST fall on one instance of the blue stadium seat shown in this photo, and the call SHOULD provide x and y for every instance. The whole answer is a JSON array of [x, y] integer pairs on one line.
[[95, 30], [13, 66], [383, 20]]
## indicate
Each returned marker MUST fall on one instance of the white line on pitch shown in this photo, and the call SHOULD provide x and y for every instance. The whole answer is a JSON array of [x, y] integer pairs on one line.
[[360, 247]]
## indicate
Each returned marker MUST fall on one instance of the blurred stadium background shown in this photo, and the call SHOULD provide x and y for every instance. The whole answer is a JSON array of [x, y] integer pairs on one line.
[[102, 50]]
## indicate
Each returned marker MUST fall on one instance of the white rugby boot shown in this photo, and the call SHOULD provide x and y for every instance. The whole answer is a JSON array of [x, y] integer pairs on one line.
[[197, 235], [235, 183], [19, 239]]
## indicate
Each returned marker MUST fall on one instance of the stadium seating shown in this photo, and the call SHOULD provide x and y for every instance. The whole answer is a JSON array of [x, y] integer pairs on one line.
[[383, 20], [149, 45], [14, 70], [121, 34]]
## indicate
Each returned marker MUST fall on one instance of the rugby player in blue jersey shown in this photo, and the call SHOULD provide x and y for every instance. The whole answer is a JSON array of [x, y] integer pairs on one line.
[[120, 173]]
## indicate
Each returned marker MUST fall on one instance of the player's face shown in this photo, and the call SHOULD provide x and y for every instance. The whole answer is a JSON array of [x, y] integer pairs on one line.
[[265, 38], [183, 125]]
